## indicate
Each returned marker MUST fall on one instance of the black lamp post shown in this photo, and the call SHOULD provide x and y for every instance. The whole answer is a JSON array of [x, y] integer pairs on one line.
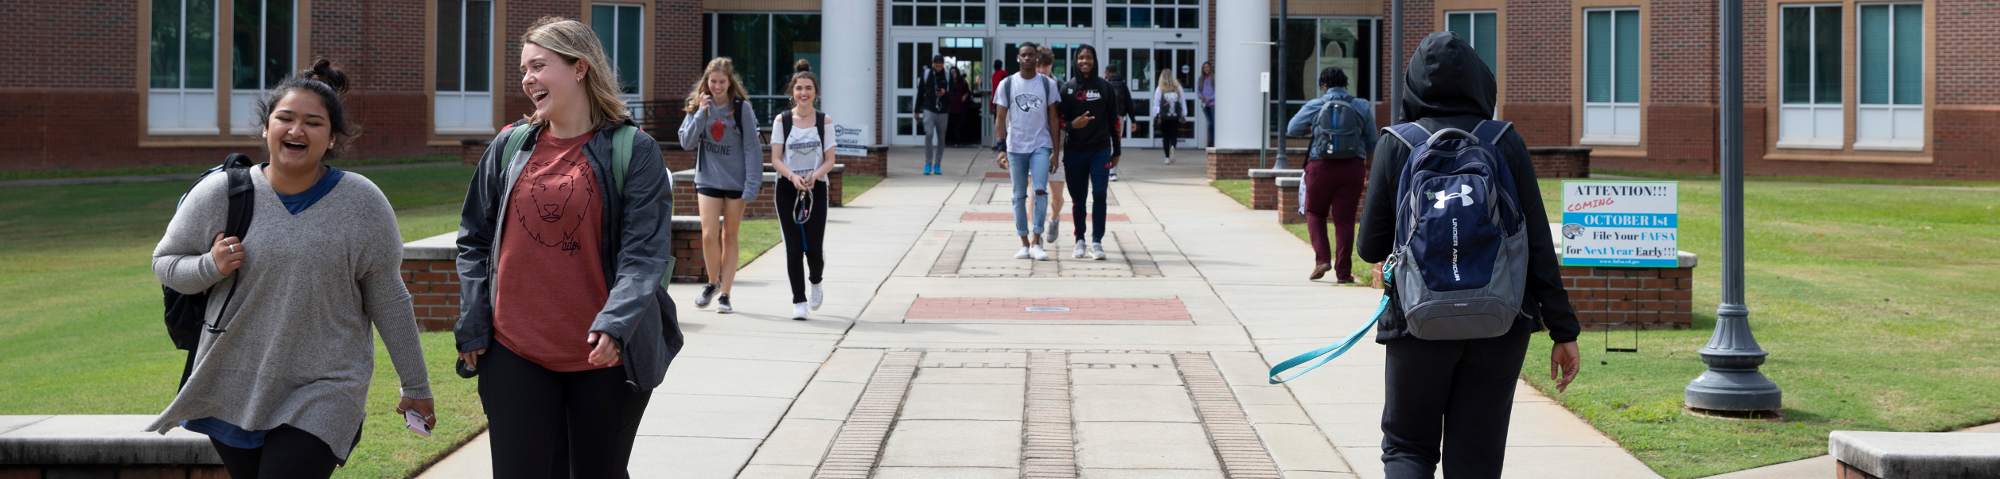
[[1279, 88], [1732, 382]]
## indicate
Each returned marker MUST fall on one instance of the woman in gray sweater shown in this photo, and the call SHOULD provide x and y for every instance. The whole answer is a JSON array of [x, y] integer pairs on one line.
[[728, 170], [280, 383]]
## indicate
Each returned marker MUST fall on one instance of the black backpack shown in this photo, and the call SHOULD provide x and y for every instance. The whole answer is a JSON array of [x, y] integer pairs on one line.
[[785, 119], [1337, 131], [187, 313]]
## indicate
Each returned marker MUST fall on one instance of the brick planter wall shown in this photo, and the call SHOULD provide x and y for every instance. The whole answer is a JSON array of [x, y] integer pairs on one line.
[[1288, 201], [433, 288], [1235, 164], [471, 150], [1264, 187], [1561, 162], [765, 206], [1631, 298], [688, 265], [875, 164]]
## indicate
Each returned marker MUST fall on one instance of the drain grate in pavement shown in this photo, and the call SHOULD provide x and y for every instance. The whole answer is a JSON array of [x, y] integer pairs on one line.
[[859, 443], [1050, 309]]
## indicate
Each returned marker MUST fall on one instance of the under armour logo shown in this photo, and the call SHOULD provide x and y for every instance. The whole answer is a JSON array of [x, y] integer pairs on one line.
[[1464, 196]]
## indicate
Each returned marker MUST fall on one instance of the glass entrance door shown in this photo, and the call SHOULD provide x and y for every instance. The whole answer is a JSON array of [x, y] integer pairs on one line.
[[911, 62], [1140, 69]]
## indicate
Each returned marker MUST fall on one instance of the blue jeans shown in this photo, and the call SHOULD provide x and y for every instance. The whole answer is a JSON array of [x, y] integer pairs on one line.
[[1209, 113], [1026, 167], [1087, 172]]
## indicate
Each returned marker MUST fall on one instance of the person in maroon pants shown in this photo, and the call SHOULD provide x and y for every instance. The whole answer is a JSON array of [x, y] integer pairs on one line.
[[1332, 187]]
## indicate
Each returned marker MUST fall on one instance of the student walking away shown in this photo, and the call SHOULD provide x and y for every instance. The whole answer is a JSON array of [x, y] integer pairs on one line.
[[1169, 109], [964, 128], [932, 91], [801, 154], [1450, 375], [729, 169], [282, 371], [1124, 123], [1205, 89], [1090, 147], [1029, 129], [1342, 128]]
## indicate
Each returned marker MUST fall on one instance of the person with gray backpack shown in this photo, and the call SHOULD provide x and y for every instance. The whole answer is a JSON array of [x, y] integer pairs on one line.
[[1454, 209], [1342, 128]]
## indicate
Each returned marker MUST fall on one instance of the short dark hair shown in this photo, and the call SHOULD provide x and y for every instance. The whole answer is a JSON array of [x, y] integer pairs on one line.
[[999, 65], [1331, 77], [1111, 69], [937, 58]]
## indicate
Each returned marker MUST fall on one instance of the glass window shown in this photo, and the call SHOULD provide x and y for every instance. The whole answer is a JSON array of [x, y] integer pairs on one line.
[[183, 46], [463, 103], [181, 97], [1811, 51], [1152, 17], [618, 28], [262, 43], [1890, 114], [1810, 114], [1316, 43], [1479, 29], [907, 13], [764, 46], [1610, 74]]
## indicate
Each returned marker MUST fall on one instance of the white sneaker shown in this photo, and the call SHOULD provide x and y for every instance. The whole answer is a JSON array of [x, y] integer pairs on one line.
[[1022, 254], [1170, 160], [1114, 174], [1081, 250], [1097, 251], [1037, 252], [799, 312], [815, 296]]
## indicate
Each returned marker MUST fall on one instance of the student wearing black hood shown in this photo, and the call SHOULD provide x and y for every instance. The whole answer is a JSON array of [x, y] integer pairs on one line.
[[1090, 109], [1459, 393]]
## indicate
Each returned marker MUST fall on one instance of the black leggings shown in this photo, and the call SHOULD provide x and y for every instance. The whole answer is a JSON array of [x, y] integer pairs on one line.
[[287, 452], [1458, 394], [805, 247], [1169, 130], [530, 411]]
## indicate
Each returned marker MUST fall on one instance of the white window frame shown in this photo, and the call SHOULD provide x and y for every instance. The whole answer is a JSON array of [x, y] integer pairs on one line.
[[1809, 125], [185, 111], [1904, 123], [243, 103], [464, 112], [611, 50], [1610, 123]]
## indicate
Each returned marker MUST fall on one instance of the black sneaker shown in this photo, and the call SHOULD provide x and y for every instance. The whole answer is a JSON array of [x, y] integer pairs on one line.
[[722, 305], [707, 294]]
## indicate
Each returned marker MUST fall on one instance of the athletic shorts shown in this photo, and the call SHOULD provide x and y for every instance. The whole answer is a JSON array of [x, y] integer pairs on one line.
[[719, 193]]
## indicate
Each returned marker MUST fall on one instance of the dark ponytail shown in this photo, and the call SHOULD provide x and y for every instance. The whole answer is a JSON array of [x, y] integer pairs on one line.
[[324, 81]]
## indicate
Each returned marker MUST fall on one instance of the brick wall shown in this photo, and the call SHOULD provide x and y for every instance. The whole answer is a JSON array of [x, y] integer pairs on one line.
[[433, 289], [1631, 298], [1264, 193], [688, 264], [12, 471], [1235, 164], [1560, 162], [1288, 201]]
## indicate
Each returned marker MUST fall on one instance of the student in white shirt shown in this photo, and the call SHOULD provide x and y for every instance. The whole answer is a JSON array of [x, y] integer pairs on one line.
[[1029, 131], [803, 158]]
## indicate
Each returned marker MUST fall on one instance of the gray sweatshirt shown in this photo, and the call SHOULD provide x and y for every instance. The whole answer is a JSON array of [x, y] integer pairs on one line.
[[299, 348], [735, 162]]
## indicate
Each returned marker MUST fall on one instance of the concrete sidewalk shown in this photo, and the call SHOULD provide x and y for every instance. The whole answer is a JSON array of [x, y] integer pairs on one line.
[[938, 355]]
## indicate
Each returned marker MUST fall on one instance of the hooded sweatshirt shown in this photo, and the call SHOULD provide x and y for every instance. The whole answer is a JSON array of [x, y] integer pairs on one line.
[[1448, 86], [729, 157], [1090, 93]]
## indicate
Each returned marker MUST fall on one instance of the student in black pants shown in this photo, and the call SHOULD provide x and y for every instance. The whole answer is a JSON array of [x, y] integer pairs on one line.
[[800, 153], [1089, 110], [1459, 393]]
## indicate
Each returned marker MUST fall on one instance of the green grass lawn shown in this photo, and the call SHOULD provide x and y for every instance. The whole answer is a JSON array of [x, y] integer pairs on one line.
[[1875, 304], [852, 186], [82, 332]]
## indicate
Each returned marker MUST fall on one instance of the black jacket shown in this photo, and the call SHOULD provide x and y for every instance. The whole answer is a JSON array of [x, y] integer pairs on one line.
[[1448, 86], [636, 254], [1124, 97], [1093, 94], [927, 87]]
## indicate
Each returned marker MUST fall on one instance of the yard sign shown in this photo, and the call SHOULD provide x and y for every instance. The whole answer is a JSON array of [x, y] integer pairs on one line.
[[1621, 223]]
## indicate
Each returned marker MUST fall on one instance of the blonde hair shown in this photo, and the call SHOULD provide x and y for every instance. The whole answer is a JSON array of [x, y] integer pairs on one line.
[[1166, 81], [572, 40], [721, 65]]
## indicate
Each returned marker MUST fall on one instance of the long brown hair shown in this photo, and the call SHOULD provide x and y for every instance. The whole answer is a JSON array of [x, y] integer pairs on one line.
[[572, 40], [719, 65]]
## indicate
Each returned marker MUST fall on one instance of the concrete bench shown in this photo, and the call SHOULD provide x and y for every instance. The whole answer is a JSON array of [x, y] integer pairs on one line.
[[102, 446], [1914, 455]]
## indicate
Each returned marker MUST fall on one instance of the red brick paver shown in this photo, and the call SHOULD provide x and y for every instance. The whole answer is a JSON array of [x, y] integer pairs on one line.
[[975, 216], [1080, 309]]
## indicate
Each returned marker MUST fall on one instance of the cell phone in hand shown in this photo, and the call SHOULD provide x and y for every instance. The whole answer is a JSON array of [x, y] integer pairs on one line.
[[415, 421]]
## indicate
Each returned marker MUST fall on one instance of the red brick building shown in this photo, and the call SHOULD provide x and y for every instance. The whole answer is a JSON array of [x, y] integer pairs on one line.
[[1835, 88]]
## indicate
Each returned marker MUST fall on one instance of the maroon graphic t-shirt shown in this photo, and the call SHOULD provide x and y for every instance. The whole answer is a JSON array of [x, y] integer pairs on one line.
[[550, 282]]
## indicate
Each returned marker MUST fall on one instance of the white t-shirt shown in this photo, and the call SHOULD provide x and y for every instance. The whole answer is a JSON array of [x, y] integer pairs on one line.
[[803, 150], [1028, 123]]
